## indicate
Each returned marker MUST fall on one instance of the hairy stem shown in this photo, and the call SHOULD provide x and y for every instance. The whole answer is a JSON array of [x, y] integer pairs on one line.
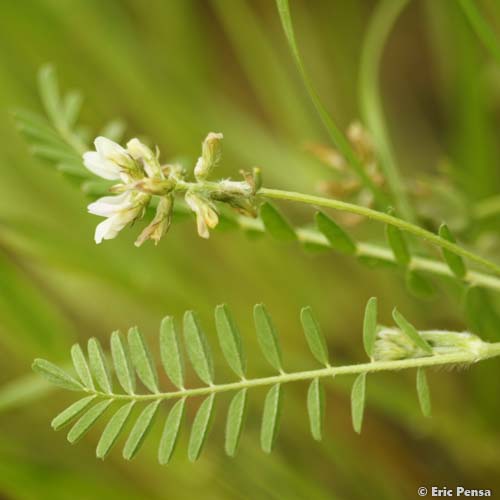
[[486, 351]]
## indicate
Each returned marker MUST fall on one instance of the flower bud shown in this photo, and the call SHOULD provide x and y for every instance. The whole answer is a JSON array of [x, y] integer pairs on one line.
[[210, 156], [206, 214], [160, 223], [144, 156]]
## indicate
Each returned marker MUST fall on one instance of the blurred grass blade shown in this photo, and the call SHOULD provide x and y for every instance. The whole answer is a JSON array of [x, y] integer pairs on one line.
[[424, 397], [171, 432], [230, 340], [358, 401], [370, 326], [315, 338], [454, 261], [87, 420], [267, 337], [142, 359], [56, 375], [411, 332], [122, 362], [336, 236], [276, 224], [140, 430], [316, 408], [235, 419], [197, 348], [81, 366], [170, 352], [99, 365], [201, 425], [113, 430], [70, 413], [271, 417]]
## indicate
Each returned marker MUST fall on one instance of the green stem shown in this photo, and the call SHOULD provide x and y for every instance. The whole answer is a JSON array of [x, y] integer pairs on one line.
[[487, 351], [334, 132], [382, 217], [382, 21]]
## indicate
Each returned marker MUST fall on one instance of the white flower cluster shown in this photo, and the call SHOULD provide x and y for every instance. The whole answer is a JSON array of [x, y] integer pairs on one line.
[[141, 177]]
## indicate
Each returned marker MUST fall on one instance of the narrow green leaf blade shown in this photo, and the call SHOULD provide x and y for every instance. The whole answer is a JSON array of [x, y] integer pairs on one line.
[[235, 419], [358, 401], [113, 430], [81, 366], [122, 362], [71, 107], [276, 223], [99, 365], [170, 352], [200, 428], [142, 360], [316, 408], [336, 236], [370, 325], [271, 417], [171, 432], [398, 244], [411, 332], [87, 420], [267, 336], [424, 397], [197, 348], [315, 338], [230, 340], [49, 93], [140, 430], [454, 261], [70, 413], [56, 375]]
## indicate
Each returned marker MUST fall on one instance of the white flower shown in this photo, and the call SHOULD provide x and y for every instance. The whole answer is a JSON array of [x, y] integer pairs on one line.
[[141, 153], [120, 210], [206, 216], [109, 160]]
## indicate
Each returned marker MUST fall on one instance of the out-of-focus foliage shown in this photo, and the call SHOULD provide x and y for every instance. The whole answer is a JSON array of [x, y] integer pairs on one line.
[[173, 71]]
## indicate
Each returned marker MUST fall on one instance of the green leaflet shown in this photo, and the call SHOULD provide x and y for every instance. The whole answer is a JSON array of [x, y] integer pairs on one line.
[[140, 430], [314, 336], [424, 397], [271, 417], [454, 261], [113, 430], [141, 358], [418, 285], [276, 224], [56, 375], [87, 420], [171, 432], [398, 244], [81, 366], [358, 401], [267, 336], [197, 348], [316, 408], [410, 331], [336, 236], [200, 427], [49, 93], [170, 353], [481, 314], [72, 104], [370, 326], [230, 340], [235, 419], [122, 362], [70, 413], [99, 366]]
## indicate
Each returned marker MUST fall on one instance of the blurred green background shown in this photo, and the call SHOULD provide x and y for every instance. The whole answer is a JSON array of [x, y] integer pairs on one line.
[[175, 70]]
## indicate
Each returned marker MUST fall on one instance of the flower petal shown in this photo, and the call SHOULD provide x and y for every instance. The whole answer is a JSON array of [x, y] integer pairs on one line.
[[100, 166], [110, 205]]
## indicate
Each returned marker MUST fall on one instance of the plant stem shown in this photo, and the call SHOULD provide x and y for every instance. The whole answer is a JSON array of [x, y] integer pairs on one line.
[[486, 351], [382, 21], [382, 217]]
